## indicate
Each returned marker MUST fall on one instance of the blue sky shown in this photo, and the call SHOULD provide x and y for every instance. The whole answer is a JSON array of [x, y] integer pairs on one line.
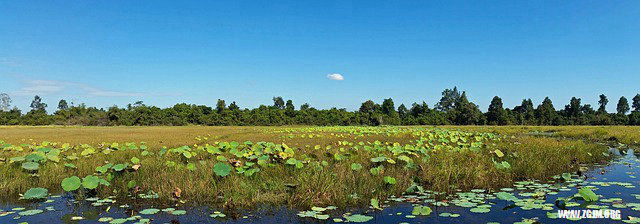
[[164, 52]]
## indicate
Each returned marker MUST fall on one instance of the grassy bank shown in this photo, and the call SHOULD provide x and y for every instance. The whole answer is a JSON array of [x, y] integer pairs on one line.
[[299, 166]]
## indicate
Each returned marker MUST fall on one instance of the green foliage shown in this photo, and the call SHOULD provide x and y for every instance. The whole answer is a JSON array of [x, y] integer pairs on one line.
[[90, 182], [587, 194], [453, 108], [358, 218], [389, 180], [421, 210], [131, 184], [566, 176], [35, 193], [375, 204], [30, 166], [71, 183], [376, 170], [356, 166], [119, 167], [623, 105], [149, 211], [222, 169]]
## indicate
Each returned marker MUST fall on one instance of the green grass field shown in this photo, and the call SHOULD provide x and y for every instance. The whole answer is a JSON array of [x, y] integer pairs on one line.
[[298, 166]]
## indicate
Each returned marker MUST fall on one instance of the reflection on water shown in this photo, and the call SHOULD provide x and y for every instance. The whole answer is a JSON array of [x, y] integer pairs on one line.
[[615, 182]]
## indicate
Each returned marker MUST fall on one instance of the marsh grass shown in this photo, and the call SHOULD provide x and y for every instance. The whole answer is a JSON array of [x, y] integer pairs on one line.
[[332, 183], [629, 135]]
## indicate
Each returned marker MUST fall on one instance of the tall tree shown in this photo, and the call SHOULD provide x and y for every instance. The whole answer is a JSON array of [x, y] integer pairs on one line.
[[623, 105], [466, 113], [546, 113], [305, 106], [62, 105], [525, 111], [38, 105], [233, 106], [636, 103], [387, 107], [290, 109], [587, 109], [5, 102], [367, 107], [278, 102], [449, 99], [574, 108], [496, 115], [220, 105], [403, 111], [603, 104]]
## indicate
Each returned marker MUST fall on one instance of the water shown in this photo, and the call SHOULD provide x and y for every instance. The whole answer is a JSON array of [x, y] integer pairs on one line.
[[618, 174]]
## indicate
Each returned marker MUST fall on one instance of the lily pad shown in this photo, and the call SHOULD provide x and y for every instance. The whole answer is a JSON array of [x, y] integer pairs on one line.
[[358, 218], [71, 183], [566, 176], [421, 210], [479, 210], [31, 166], [118, 221], [149, 211], [587, 194], [178, 212], [36, 193], [217, 214], [222, 169], [375, 204], [119, 167], [389, 180], [90, 182], [30, 212]]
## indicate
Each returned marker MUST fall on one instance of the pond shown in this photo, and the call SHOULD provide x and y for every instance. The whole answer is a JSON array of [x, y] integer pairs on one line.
[[614, 185]]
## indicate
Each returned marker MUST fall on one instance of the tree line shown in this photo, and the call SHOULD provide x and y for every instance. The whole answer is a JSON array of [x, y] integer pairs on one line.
[[454, 108]]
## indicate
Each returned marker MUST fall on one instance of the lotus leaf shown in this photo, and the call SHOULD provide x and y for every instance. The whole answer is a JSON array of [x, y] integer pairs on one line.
[[375, 204], [119, 167], [358, 218], [71, 183], [149, 211], [587, 194], [421, 210], [30, 212], [31, 166], [389, 180], [222, 169], [90, 182], [36, 193]]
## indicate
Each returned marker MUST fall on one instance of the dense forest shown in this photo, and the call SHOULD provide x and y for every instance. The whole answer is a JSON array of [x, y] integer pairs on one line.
[[453, 108]]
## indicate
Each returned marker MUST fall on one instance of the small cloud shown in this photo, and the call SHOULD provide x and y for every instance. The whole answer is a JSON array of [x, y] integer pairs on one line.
[[335, 76]]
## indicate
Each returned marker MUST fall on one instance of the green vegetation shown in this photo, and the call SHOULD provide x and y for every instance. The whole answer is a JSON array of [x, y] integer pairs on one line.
[[299, 166], [454, 108]]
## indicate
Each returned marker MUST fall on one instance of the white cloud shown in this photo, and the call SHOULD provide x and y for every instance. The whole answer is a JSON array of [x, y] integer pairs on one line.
[[335, 76], [49, 87]]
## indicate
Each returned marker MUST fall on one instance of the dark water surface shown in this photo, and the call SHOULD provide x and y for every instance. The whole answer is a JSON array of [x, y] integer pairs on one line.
[[614, 182]]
